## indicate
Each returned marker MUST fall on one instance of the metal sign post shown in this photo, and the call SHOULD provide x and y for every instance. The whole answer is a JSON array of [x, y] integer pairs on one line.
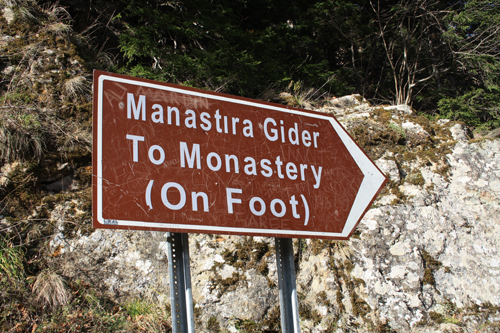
[[181, 296], [289, 306]]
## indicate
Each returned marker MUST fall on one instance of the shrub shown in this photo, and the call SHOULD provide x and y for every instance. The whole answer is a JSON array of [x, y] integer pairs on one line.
[[20, 139], [476, 108], [11, 264], [50, 289]]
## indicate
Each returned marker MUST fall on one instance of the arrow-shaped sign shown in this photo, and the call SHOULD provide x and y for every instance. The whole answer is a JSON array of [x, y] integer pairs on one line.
[[179, 159]]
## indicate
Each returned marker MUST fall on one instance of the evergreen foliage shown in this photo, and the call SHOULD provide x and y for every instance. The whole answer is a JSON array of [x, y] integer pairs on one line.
[[433, 55], [473, 33], [240, 47], [476, 108]]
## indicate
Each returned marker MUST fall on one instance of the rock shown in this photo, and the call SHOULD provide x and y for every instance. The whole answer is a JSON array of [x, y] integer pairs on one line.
[[442, 122], [349, 101], [449, 328], [249, 302], [123, 262], [425, 264], [5, 170], [414, 128], [357, 115], [447, 231], [64, 184], [390, 168], [348, 107], [459, 132], [8, 14], [402, 108], [494, 134], [8, 70]]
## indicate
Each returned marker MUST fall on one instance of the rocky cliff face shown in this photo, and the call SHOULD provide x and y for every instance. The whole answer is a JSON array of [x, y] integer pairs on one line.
[[424, 258]]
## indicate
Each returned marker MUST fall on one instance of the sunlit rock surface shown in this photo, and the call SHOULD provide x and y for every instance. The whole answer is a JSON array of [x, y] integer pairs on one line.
[[425, 257]]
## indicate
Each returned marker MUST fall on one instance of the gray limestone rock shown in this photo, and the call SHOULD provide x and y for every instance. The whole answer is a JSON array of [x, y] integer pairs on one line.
[[349, 101], [422, 265], [390, 168], [402, 108], [459, 132]]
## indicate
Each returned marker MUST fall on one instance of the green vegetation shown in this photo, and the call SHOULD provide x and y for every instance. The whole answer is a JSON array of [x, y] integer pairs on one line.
[[249, 254], [271, 323], [213, 325], [434, 56], [307, 311], [11, 263], [430, 265], [477, 108], [441, 57]]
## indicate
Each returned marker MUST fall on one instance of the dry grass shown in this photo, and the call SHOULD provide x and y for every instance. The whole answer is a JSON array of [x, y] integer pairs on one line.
[[26, 15], [341, 250], [19, 144], [59, 29], [56, 14], [59, 19], [77, 86], [74, 137], [50, 289], [16, 3], [299, 96]]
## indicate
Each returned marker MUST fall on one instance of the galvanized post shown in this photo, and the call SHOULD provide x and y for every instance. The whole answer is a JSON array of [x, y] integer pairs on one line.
[[289, 306], [181, 296]]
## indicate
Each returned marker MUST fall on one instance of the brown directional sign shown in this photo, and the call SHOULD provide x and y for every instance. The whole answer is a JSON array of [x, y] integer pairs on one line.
[[171, 158]]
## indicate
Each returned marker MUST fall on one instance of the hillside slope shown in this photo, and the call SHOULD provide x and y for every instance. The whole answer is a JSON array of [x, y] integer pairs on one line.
[[425, 258]]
